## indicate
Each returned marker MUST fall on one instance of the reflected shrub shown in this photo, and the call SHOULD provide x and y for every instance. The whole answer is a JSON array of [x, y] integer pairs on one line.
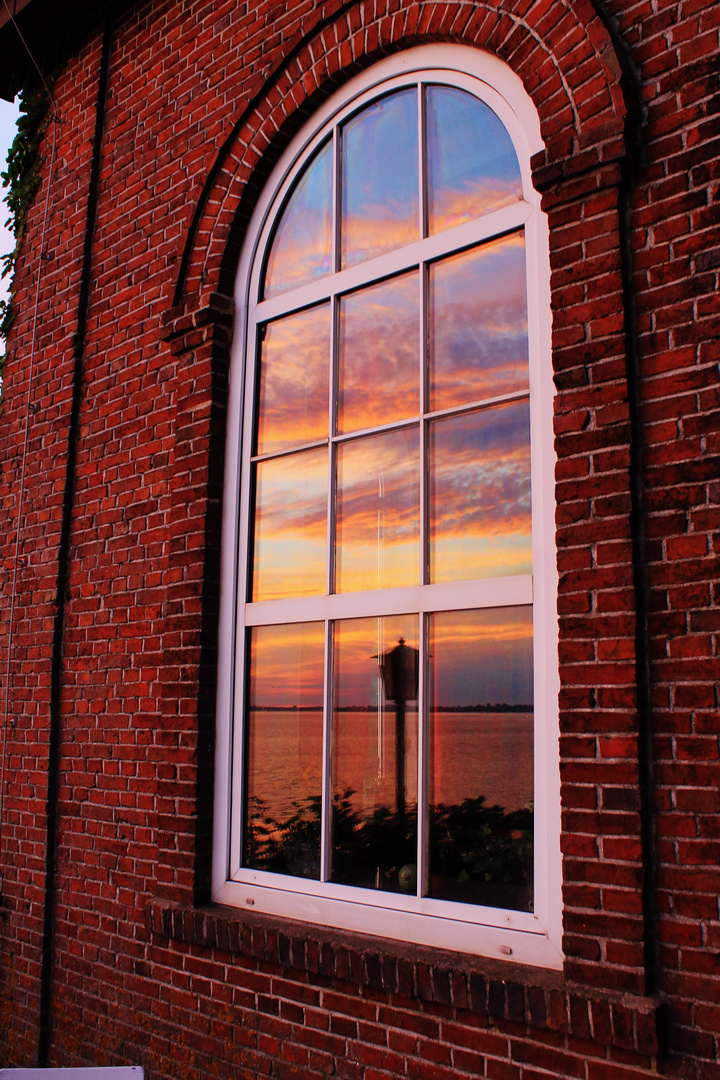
[[478, 853]]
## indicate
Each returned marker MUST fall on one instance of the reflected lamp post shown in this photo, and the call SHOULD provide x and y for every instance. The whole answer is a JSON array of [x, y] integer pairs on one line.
[[400, 674]]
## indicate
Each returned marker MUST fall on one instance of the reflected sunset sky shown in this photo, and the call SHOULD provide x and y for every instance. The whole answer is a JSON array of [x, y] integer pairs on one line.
[[378, 512], [380, 206], [378, 354], [481, 656], [290, 541], [357, 645], [292, 406], [301, 249], [475, 657], [286, 666], [472, 164], [478, 324], [480, 511]]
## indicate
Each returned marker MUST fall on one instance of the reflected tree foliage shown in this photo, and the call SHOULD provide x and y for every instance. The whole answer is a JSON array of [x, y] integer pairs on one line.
[[478, 854]]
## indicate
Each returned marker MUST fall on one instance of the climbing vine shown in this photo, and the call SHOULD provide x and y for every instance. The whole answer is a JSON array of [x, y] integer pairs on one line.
[[22, 178]]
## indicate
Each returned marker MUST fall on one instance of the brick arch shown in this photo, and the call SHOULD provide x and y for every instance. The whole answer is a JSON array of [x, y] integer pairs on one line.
[[563, 53]]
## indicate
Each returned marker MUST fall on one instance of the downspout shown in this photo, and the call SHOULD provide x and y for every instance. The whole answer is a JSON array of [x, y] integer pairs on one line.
[[632, 92], [55, 732]]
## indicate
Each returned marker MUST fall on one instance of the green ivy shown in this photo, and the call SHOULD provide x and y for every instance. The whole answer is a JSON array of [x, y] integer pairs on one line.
[[22, 177]]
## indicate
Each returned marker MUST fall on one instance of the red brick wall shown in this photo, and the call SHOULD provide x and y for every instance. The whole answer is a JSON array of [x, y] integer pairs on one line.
[[201, 100]]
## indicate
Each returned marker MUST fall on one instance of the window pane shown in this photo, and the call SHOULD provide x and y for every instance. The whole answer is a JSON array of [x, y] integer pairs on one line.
[[478, 324], [283, 762], [301, 248], [380, 189], [471, 162], [378, 354], [481, 756], [378, 522], [290, 526], [374, 813], [480, 512], [293, 390]]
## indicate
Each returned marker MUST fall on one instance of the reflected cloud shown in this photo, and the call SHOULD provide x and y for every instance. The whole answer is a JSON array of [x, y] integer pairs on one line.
[[378, 504], [301, 248], [478, 324], [378, 354], [475, 198], [294, 372], [480, 494], [472, 164], [289, 556], [481, 656], [380, 206], [286, 666]]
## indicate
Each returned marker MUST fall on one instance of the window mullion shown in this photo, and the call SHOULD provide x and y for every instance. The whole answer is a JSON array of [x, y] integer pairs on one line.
[[423, 822], [327, 758], [332, 411], [423, 810], [422, 164], [335, 240], [424, 360]]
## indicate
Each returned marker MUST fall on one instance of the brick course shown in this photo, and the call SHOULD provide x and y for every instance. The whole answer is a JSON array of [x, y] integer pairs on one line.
[[202, 99]]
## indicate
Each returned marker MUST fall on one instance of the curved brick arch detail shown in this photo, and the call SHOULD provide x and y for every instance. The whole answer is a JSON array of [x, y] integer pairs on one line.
[[563, 54]]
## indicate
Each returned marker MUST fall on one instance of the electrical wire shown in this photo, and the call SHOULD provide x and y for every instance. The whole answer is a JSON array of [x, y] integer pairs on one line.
[[7, 722]]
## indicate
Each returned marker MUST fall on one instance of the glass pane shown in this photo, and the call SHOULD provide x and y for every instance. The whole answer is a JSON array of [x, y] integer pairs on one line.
[[374, 810], [378, 521], [478, 324], [290, 526], [471, 161], [480, 512], [378, 354], [301, 248], [380, 188], [481, 757], [283, 762], [293, 384]]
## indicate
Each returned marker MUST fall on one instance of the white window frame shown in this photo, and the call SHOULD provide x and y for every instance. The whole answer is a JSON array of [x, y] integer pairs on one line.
[[528, 937]]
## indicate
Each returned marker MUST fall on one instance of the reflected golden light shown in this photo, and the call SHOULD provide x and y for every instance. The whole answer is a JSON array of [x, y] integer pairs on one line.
[[294, 379], [379, 230], [378, 500], [478, 323], [378, 354], [301, 248], [286, 665], [453, 207], [480, 509], [290, 541]]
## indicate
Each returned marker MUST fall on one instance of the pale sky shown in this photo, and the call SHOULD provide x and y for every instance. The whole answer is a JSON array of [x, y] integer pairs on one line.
[[8, 118]]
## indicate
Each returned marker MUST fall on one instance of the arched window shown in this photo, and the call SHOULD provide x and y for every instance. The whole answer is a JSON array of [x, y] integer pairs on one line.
[[388, 722]]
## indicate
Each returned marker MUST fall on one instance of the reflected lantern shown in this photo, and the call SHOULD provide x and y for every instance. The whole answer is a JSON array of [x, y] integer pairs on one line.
[[400, 671]]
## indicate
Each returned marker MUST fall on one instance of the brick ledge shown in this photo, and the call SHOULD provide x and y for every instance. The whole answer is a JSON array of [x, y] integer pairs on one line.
[[501, 991]]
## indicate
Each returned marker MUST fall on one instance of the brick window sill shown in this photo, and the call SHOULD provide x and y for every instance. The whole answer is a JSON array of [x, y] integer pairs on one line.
[[499, 991]]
